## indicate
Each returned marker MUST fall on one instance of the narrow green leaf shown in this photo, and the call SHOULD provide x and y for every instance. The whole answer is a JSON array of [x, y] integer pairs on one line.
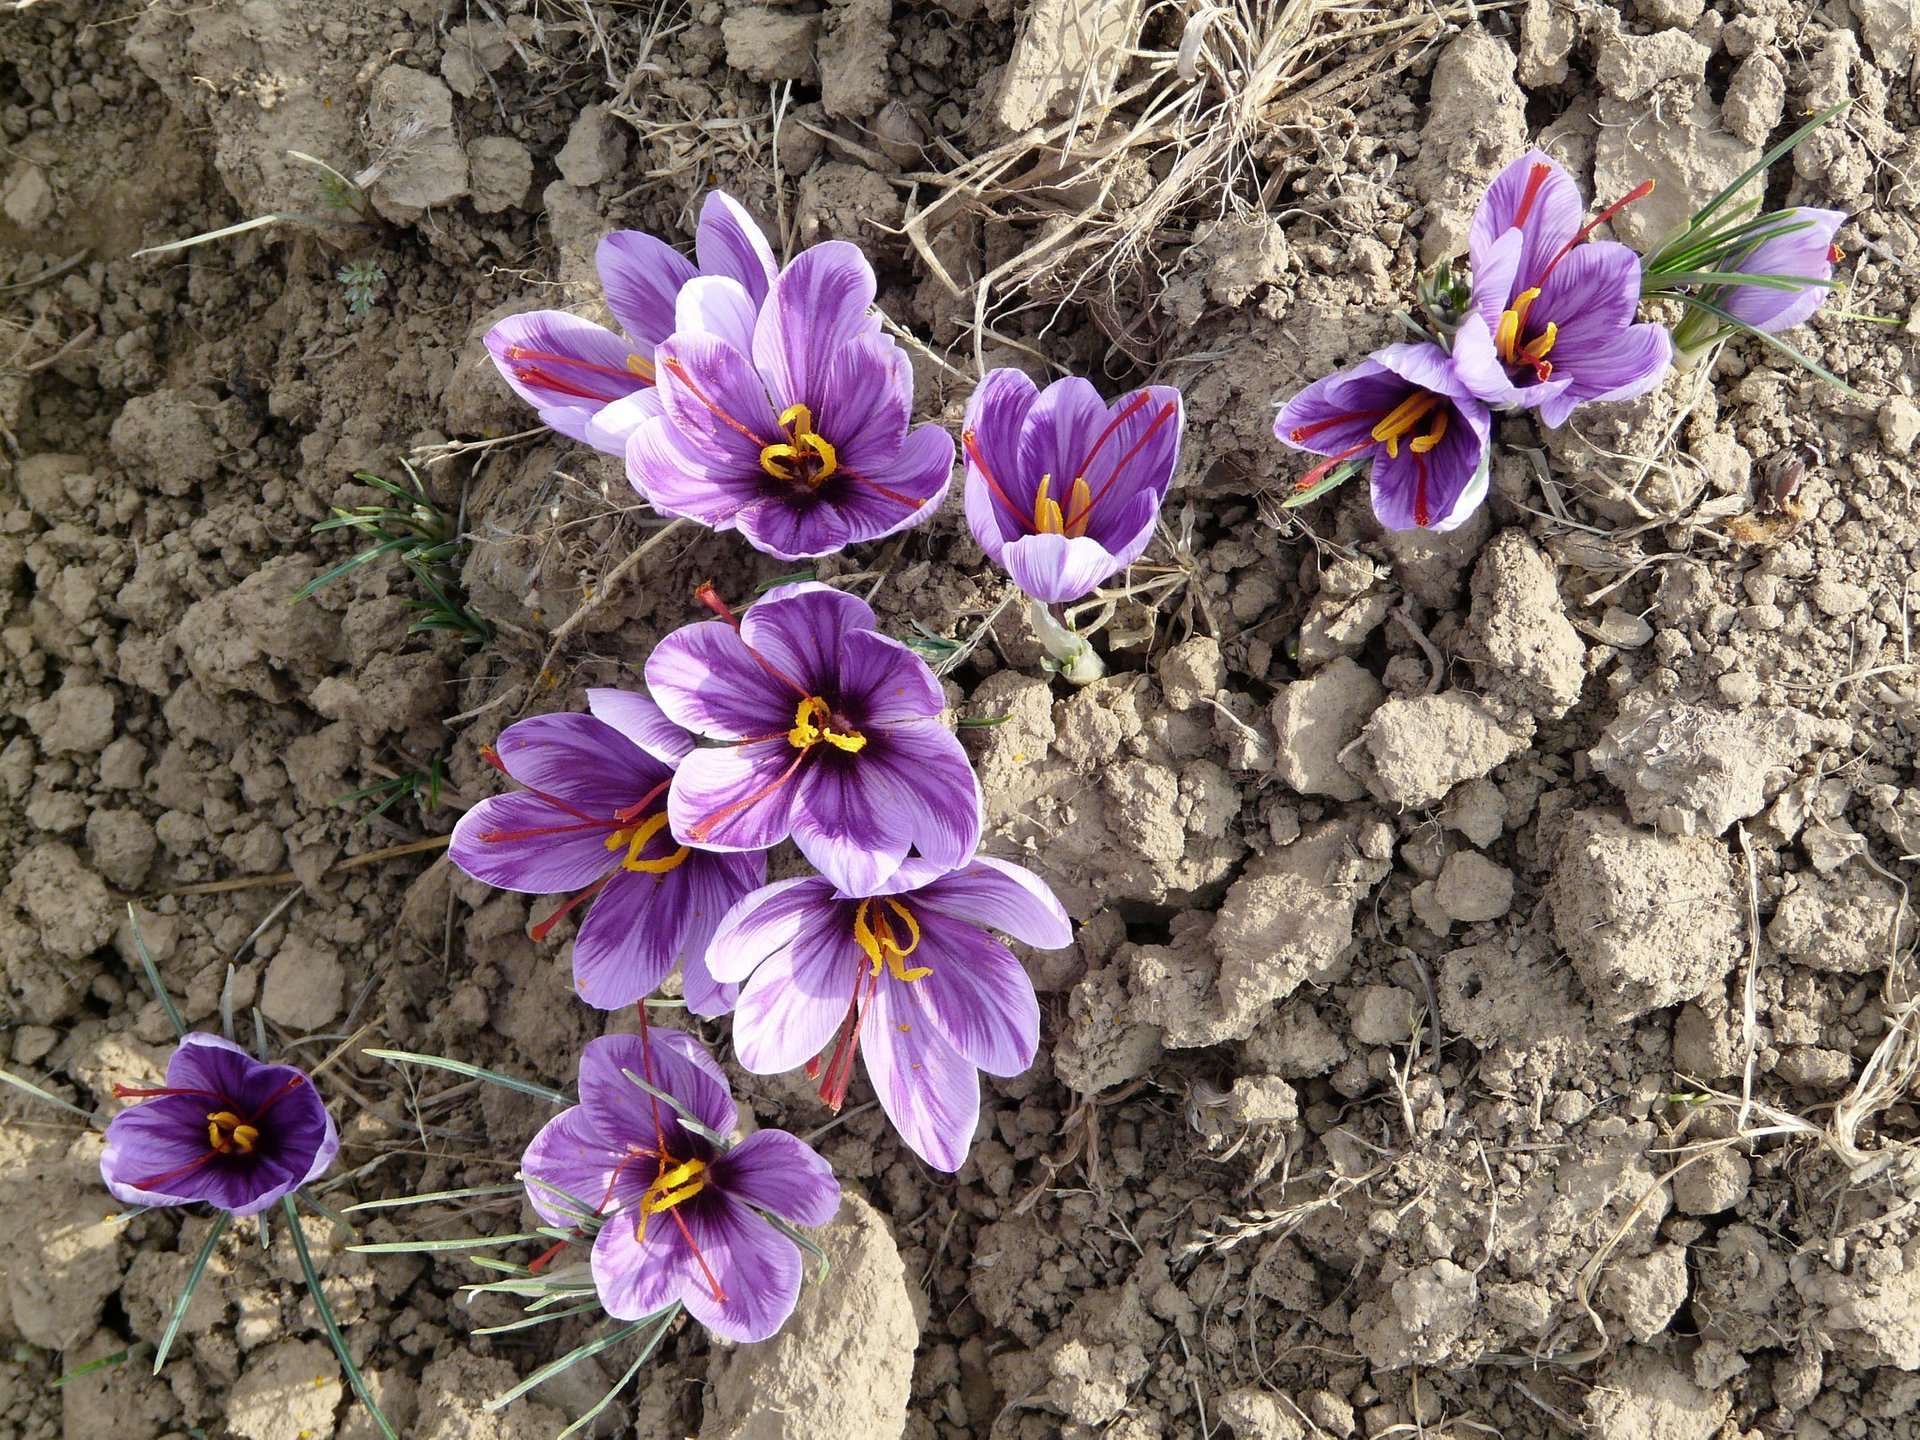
[[218, 1229], [153, 973], [805, 1241], [982, 722], [582, 1210], [432, 1247], [688, 1120], [1339, 475], [1741, 327], [474, 1072], [545, 1317], [332, 1326], [8, 1077], [1765, 162], [105, 1362], [795, 578], [577, 1354], [646, 1354], [320, 1207], [394, 1202]]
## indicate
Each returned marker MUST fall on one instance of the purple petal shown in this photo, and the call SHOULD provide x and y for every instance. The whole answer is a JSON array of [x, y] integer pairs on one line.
[[978, 996], [570, 1155], [907, 491], [520, 842], [758, 1269], [882, 681], [1010, 898], [738, 797], [729, 242], [630, 939], [712, 395], [1632, 365], [1591, 297], [798, 630], [1552, 218], [777, 1172], [1803, 253], [558, 361], [158, 1138], [1427, 366], [676, 474], [927, 1088], [1060, 432], [1338, 412], [1479, 364], [705, 680], [1496, 277], [816, 309], [795, 527], [641, 276], [712, 886], [797, 999], [637, 1278], [1058, 569], [996, 416], [1136, 457], [767, 921], [718, 306], [609, 428], [676, 1064], [1453, 485], [641, 720], [579, 760], [865, 404], [935, 794], [845, 821]]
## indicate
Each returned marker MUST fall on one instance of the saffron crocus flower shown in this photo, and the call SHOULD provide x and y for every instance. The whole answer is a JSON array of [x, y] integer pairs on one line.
[[679, 1216], [592, 819], [906, 976], [790, 423], [1063, 489], [829, 732], [1408, 410], [225, 1128], [592, 384], [1806, 253], [1558, 314]]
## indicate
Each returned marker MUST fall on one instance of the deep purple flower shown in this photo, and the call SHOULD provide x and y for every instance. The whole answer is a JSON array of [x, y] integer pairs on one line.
[[830, 733], [225, 1128], [594, 385], [907, 976], [593, 819], [1409, 411], [1063, 489], [789, 421], [1558, 314], [682, 1214], [1807, 253]]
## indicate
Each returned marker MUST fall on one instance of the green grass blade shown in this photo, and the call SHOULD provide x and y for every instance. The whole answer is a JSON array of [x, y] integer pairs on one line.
[[1765, 162], [688, 1120], [474, 1072], [1765, 281], [332, 1325], [153, 973], [646, 1354], [1741, 327], [320, 1207], [566, 1362], [1339, 475], [27, 1086], [805, 1241], [346, 567], [186, 1294], [435, 1247], [394, 1202], [582, 1211], [105, 1362], [545, 1317]]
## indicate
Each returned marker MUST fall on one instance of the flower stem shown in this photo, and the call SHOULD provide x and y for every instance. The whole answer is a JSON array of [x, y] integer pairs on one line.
[[1075, 657]]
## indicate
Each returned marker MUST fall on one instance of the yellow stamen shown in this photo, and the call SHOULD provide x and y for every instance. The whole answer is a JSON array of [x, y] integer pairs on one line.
[[873, 932], [641, 368], [1421, 444], [1047, 517], [1537, 348], [227, 1132], [670, 1187], [1513, 324], [635, 838], [1403, 418], [813, 723], [805, 457]]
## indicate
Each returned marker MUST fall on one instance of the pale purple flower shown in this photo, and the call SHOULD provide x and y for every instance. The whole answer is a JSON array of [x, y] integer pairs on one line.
[[1806, 253], [906, 976], [829, 731], [593, 819], [1063, 489], [681, 1215], [592, 384], [1408, 410], [789, 421], [226, 1128], [1554, 317]]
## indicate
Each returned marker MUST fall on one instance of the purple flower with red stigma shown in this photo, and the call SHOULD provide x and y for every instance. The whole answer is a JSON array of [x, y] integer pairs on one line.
[[1554, 318], [678, 1216], [829, 732], [593, 819], [1062, 489], [225, 1128], [789, 421], [592, 384], [906, 976], [1408, 410], [1798, 246]]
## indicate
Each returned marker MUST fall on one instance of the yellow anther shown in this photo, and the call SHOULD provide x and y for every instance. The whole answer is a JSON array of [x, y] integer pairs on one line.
[[813, 723], [669, 1188], [1047, 517], [1537, 348], [1513, 324], [1421, 444], [804, 457], [873, 932], [641, 368], [1403, 418], [227, 1132], [635, 838]]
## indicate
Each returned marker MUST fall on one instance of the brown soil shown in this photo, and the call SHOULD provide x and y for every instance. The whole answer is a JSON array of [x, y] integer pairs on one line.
[[1491, 1008]]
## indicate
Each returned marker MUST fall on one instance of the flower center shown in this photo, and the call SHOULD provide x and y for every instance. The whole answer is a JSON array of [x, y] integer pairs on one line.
[[227, 1133], [873, 932], [804, 459], [1403, 417], [1048, 516], [1513, 325], [635, 839], [814, 721], [533, 367], [674, 1184]]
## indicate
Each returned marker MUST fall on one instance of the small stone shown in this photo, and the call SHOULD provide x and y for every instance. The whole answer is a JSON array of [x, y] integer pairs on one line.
[[1737, 688], [1899, 422], [596, 148], [1192, 673], [1478, 811], [77, 719], [1420, 748], [287, 1391], [1814, 1067], [302, 990], [501, 173], [1713, 1184], [1381, 1015], [1838, 598], [1645, 1291], [410, 122], [122, 845], [769, 45], [1315, 720], [1529, 655], [163, 443], [28, 199], [1472, 888]]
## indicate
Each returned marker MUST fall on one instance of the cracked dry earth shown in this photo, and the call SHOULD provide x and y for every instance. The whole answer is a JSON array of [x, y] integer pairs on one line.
[[1491, 1011]]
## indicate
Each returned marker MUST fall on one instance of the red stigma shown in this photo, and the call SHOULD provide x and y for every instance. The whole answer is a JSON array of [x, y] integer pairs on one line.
[[1166, 414], [708, 596], [1536, 177]]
